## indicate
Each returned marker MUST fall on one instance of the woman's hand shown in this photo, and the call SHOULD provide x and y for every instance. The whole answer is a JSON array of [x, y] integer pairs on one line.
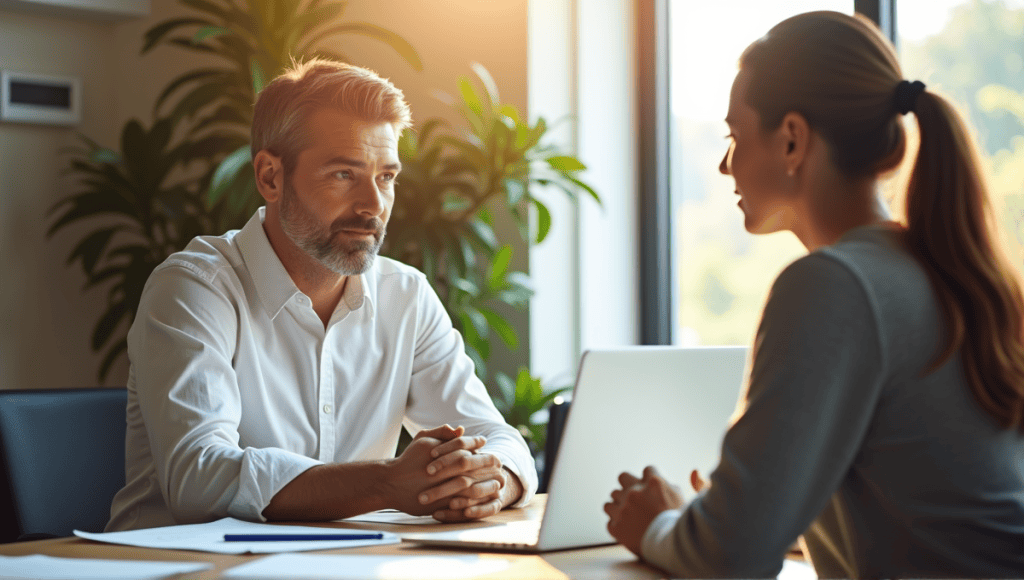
[[635, 506]]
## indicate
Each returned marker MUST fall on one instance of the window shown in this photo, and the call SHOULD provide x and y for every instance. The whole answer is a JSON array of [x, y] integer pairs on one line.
[[721, 273], [970, 50], [973, 52]]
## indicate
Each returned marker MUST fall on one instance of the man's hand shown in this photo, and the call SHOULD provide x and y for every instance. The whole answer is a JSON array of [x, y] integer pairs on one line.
[[635, 506], [476, 483]]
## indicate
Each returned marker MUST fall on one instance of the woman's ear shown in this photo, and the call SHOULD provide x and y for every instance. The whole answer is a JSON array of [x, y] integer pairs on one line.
[[795, 134], [269, 175]]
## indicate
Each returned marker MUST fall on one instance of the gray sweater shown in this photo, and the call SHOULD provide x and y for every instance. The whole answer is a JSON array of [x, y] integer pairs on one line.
[[884, 471]]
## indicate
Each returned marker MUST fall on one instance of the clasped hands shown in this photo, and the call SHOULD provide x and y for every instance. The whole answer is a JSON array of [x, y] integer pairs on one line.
[[633, 507], [442, 474]]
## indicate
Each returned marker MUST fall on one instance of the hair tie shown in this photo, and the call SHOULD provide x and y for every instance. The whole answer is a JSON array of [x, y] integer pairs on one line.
[[906, 95]]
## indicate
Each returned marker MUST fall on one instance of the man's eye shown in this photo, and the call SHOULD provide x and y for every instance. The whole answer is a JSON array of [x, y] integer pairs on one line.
[[343, 174], [387, 177]]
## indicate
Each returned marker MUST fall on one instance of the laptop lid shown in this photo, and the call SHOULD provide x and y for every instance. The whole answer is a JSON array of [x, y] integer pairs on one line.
[[632, 407]]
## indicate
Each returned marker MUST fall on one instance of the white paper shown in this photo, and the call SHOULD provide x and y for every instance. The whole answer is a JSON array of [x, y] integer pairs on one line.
[[39, 567], [794, 570], [392, 517], [357, 566], [210, 538]]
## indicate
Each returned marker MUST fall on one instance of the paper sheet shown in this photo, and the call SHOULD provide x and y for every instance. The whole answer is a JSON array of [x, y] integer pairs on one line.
[[210, 538], [39, 567], [344, 567], [392, 517]]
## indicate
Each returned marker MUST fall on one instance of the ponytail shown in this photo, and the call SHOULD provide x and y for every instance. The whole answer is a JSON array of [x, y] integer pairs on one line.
[[949, 230], [842, 74]]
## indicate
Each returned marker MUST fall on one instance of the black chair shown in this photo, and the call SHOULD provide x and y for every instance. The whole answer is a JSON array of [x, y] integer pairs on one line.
[[558, 411], [62, 460]]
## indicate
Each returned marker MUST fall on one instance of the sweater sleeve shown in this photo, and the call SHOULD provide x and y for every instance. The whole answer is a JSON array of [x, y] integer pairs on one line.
[[815, 379]]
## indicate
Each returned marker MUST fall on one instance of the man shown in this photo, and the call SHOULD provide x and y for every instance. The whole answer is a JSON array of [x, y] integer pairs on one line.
[[272, 367]]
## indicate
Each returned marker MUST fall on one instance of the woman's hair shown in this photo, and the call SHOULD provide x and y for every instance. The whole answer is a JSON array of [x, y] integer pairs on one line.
[[284, 105], [842, 74]]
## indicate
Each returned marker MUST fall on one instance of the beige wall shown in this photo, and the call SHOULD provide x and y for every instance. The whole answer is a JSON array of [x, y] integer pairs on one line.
[[45, 319]]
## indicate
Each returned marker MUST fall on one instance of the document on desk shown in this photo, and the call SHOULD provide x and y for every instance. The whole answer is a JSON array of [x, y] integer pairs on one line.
[[210, 538], [344, 567], [392, 517], [39, 567]]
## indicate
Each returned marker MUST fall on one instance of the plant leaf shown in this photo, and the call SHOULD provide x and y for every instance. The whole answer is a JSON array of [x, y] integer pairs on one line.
[[543, 221], [499, 267], [208, 32], [488, 81], [503, 328], [392, 39], [565, 163], [158, 32], [227, 173], [515, 190]]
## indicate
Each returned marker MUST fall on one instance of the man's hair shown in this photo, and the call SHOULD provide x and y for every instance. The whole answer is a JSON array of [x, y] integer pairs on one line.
[[284, 105]]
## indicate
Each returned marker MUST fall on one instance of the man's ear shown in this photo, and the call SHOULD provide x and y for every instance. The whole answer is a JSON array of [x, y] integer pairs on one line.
[[269, 175], [795, 134]]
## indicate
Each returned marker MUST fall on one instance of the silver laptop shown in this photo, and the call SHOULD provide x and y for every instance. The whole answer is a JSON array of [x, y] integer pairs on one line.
[[632, 407]]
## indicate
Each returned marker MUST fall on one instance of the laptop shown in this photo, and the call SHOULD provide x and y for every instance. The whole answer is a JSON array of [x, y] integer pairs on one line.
[[632, 407]]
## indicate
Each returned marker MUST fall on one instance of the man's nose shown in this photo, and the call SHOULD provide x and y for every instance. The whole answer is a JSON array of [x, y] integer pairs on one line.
[[370, 201]]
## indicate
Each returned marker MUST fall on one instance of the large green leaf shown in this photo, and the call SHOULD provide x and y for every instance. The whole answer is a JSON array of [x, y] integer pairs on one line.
[[92, 247], [502, 328], [543, 221], [399, 44], [565, 163], [189, 77], [157, 33], [499, 266]]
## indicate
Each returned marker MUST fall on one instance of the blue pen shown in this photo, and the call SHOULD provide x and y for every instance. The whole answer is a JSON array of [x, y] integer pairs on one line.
[[298, 537]]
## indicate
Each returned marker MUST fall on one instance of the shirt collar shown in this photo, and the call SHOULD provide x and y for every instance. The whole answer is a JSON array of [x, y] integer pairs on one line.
[[275, 286]]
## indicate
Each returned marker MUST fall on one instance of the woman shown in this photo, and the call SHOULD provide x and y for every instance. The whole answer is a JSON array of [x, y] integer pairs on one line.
[[884, 414]]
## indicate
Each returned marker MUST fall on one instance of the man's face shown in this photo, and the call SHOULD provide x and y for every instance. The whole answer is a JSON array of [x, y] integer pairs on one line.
[[337, 199]]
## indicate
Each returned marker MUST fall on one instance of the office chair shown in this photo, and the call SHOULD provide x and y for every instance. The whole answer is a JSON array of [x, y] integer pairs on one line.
[[557, 413], [61, 460]]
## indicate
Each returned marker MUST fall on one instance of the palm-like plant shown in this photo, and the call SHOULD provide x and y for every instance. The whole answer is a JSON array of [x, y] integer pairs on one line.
[[142, 212], [446, 200], [147, 219], [256, 40]]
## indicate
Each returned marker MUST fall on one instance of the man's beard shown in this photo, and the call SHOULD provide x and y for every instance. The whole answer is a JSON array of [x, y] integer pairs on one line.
[[340, 255]]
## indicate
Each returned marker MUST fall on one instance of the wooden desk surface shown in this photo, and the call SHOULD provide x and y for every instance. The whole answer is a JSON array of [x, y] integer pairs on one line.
[[602, 563]]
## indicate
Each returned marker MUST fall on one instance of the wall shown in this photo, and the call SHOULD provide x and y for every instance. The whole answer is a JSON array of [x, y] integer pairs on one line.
[[45, 320]]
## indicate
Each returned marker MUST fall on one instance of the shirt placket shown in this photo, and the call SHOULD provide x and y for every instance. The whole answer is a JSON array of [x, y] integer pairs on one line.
[[326, 406]]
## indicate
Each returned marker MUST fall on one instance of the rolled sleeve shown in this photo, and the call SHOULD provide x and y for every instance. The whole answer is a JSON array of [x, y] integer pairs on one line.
[[181, 347]]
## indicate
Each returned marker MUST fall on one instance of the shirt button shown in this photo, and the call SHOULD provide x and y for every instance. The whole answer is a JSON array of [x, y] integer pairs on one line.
[[327, 408]]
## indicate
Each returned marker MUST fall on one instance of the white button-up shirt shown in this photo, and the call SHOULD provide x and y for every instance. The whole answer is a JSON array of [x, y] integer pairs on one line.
[[236, 387]]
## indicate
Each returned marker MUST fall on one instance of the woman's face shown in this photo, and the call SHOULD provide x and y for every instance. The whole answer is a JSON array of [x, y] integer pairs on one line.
[[755, 160]]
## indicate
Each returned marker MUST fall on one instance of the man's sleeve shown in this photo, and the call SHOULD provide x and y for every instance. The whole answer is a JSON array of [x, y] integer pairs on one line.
[[445, 389], [181, 348], [816, 377]]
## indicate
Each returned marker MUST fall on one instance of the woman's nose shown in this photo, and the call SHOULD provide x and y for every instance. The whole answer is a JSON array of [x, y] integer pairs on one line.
[[723, 167]]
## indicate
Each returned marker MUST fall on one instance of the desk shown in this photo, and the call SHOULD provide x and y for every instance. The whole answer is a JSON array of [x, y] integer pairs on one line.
[[608, 562]]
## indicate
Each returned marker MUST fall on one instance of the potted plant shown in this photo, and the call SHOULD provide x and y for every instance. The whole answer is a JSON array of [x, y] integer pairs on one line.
[[454, 184]]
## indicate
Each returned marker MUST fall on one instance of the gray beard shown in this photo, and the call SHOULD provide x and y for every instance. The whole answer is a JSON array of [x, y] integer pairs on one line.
[[343, 257]]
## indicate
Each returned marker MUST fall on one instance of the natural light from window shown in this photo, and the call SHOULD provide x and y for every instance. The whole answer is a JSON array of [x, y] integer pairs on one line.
[[722, 273], [971, 50]]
